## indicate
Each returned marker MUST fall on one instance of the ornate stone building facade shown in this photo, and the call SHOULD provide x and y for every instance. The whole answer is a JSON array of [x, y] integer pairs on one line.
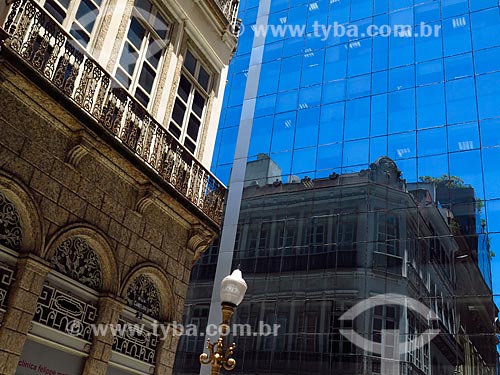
[[108, 113]]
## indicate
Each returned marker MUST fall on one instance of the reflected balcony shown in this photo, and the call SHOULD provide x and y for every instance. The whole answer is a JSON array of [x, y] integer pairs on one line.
[[55, 61]]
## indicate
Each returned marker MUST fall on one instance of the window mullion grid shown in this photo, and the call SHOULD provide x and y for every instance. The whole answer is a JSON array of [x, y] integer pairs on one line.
[[71, 15], [187, 115], [141, 57]]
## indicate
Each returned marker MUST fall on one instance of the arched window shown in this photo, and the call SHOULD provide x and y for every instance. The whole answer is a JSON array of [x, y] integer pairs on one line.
[[143, 296], [11, 232], [77, 260]]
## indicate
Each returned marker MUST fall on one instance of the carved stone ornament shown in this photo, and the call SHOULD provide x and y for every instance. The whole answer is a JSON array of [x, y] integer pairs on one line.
[[385, 171], [11, 232], [143, 296], [77, 260]]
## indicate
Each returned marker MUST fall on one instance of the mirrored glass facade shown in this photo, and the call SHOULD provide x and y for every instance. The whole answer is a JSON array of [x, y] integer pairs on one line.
[[372, 169]]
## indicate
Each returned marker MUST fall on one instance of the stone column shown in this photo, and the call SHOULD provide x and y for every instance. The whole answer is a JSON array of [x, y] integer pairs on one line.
[[100, 351], [21, 304], [167, 347]]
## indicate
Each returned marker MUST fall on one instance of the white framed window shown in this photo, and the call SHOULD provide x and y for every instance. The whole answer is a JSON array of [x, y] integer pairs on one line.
[[142, 51], [190, 102], [78, 17]]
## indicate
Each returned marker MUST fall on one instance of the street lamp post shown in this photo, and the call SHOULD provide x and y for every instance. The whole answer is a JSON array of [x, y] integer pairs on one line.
[[232, 291]]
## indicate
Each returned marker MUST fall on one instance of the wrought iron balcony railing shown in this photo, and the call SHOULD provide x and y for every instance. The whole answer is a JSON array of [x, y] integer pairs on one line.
[[45, 46], [230, 10]]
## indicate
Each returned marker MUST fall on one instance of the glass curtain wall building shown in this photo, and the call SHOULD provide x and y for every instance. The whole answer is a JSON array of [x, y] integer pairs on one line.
[[327, 88]]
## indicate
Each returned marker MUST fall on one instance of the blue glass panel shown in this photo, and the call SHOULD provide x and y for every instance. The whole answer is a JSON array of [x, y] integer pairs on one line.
[[408, 167], [262, 130], [265, 105], [399, 4], [363, 9], [232, 118], [287, 101], [289, 78], [401, 111], [429, 48], [222, 172], [493, 217], [292, 46], [459, 66], [304, 161], [483, 4], [431, 106], [461, 101], [430, 72], [278, 5], [433, 166], [380, 6], [228, 139], [268, 83], [355, 153], [310, 96], [467, 166], [402, 146], [453, 8], [334, 91], [379, 82], [463, 137], [378, 148], [380, 53], [331, 123], [379, 115], [358, 86], [329, 156], [491, 156], [402, 78], [339, 12], [335, 63], [456, 35], [312, 68], [427, 12], [490, 133], [272, 51], [401, 50], [487, 60], [360, 57], [240, 63], [432, 141], [306, 133], [236, 90], [283, 131], [357, 122], [486, 28], [488, 95]]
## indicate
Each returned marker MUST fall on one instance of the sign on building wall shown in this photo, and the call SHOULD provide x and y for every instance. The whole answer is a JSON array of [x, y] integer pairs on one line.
[[43, 360]]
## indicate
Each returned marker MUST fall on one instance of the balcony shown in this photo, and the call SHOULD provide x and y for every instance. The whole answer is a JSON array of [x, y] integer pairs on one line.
[[40, 43], [230, 10]]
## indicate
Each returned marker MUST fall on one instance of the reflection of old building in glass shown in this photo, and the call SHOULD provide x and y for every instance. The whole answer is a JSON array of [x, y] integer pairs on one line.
[[312, 248], [108, 115]]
